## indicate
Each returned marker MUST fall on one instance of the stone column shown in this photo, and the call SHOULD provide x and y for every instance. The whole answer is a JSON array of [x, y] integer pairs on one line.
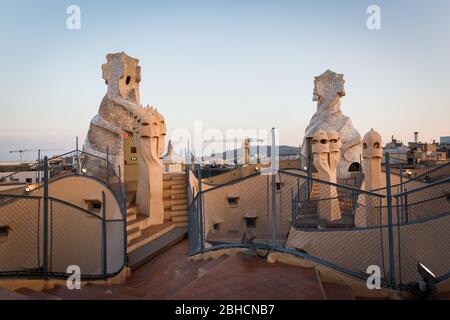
[[372, 154], [150, 140], [327, 208], [334, 157], [246, 150]]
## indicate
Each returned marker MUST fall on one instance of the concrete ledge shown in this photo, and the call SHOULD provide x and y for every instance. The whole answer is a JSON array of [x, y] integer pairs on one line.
[[40, 284], [330, 275]]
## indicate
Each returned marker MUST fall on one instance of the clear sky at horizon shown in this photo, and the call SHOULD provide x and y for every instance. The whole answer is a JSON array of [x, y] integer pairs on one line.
[[230, 64]]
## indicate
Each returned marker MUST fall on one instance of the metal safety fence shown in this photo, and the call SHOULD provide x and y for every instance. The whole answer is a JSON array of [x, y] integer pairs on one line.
[[422, 231], [336, 225], [41, 236]]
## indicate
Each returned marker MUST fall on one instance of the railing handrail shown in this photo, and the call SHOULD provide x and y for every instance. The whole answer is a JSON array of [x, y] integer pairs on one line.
[[428, 185], [37, 163], [417, 178], [337, 185]]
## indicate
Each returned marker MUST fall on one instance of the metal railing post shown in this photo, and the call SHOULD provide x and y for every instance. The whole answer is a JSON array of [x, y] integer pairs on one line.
[[39, 182], [200, 208], [107, 165], [104, 239], [78, 156], [124, 216], [292, 206], [274, 208], [309, 175], [390, 222], [405, 204], [274, 199], [45, 224]]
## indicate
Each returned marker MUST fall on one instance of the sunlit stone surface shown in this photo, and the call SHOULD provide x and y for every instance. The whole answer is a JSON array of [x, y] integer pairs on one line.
[[150, 135], [117, 109], [328, 90]]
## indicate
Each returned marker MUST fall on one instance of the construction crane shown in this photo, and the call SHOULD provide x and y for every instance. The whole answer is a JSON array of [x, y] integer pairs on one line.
[[22, 151]]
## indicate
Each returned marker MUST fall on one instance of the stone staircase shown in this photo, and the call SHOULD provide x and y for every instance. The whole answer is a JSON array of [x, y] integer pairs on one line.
[[144, 240], [175, 198], [171, 275], [308, 215]]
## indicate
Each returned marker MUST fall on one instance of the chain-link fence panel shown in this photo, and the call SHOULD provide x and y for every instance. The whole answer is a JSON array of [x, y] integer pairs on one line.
[[322, 205], [20, 246], [75, 239], [336, 224], [239, 212], [116, 243], [423, 231]]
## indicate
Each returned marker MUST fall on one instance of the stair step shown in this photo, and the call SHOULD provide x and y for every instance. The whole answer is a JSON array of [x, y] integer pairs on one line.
[[133, 210], [180, 219], [146, 252], [181, 224], [133, 233], [167, 204], [120, 290], [183, 279], [178, 191], [178, 213], [178, 186], [39, 295], [85, 293], [136, 223], [167, 215], [12, 295], [205, 268], [337, 291], [179, 207], [178, 196], [131, 217], [170, 176], [179, 201], [149, 234]]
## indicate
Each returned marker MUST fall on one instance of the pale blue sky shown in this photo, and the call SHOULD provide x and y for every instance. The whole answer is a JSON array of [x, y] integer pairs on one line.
[[231, 64]]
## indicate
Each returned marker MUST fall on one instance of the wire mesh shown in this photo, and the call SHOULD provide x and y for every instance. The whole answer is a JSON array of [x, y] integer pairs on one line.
[[233, 210], [75, 239], [20, 236], [290, 211], [422, 231], [74, 235]]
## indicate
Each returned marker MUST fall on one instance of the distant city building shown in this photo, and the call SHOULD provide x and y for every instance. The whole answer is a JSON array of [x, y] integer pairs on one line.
[[445, 140], [418, 153]]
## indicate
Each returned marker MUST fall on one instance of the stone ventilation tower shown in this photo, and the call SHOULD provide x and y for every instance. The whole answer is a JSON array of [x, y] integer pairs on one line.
[[114, 119], [246, 150], [372, 154], [326, 156], [328, 92]]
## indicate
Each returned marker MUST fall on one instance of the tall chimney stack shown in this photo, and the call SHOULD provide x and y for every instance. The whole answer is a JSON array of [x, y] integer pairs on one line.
[[416, 137]]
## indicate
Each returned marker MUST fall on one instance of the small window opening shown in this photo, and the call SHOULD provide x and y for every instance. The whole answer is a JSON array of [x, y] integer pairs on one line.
[[233, 201], [128, 80], [94, 205], [251, 222], [278, 186], [354, 167], [4, 230]]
